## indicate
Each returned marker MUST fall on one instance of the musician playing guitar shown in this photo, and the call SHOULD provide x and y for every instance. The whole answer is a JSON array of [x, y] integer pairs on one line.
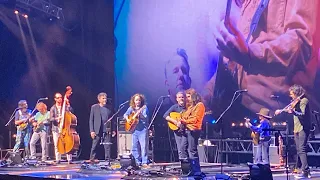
[[22, 117], [139, 110], [179, 133], [300, 109], [40, 124], [262, 154]]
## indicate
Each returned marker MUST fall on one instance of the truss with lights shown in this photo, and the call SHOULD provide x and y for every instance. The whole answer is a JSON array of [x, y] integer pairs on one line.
[[44, 6]]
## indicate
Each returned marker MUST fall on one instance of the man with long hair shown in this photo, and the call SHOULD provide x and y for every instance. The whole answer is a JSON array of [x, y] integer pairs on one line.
[[301, 124], [192, 118], [40, 124], [140, 133]]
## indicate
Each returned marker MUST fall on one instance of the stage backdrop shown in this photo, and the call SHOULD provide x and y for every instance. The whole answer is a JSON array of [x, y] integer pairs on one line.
[[165, 46]]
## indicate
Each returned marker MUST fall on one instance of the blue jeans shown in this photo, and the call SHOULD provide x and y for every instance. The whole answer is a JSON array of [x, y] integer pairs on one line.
[[181, 142], [262, 154], [139, 146], [24, 136]]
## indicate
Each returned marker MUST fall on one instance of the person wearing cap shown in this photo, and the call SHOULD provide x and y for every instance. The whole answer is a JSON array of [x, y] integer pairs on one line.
[[23, 127], [262, 153]]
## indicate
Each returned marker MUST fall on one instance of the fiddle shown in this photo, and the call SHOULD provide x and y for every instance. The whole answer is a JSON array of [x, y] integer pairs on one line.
[[290, 106]]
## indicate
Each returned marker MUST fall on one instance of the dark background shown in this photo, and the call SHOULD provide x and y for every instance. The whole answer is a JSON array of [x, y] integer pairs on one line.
[[77, 50]]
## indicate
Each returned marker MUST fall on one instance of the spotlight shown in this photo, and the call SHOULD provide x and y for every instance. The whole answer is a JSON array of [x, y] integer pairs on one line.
[[16, 12], [25, 16], [213, 121], [241, 124], [284, 123], [233, 124], [273, 124], [14, 135]]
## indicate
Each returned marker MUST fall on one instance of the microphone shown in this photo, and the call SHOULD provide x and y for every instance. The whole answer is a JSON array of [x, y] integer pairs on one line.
[[123, 103], [166, 96], [274, 96], [315, 112], [45, 98], [242, 90]]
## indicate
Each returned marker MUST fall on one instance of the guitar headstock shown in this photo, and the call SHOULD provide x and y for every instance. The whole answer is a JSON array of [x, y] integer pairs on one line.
[[247, 119], [68, 91], [208, 112]]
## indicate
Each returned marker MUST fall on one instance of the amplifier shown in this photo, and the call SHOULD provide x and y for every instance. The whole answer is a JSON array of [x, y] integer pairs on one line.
[[124, 143]]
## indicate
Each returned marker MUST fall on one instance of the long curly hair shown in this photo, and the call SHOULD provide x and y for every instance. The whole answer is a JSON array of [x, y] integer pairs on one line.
[[142, 97], [195, 97]]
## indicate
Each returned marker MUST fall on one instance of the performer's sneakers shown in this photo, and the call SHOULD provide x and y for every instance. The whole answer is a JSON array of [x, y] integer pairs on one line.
[[304, 174], [145, 166]]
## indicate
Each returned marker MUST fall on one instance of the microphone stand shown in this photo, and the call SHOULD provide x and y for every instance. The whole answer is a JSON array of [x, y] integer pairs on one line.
[[236, 95], [10, 119], [155, 112], [108, 134]]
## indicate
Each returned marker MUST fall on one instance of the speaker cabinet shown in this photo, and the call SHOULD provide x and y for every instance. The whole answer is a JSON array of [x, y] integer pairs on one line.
[[124, 143]]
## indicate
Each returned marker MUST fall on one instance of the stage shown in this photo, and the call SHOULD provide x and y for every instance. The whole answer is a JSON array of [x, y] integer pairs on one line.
[[81, 170]]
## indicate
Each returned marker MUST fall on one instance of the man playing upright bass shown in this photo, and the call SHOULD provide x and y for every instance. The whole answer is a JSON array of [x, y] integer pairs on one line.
[[55, 117]]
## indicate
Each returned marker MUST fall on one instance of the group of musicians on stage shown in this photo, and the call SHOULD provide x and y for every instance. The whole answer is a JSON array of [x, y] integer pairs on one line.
[[189, 105]]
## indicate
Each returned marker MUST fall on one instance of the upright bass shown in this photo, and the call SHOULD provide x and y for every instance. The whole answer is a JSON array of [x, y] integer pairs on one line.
[[69, 140]]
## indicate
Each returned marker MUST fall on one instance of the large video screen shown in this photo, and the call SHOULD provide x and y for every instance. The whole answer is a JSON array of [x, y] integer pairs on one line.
[[165, 46]]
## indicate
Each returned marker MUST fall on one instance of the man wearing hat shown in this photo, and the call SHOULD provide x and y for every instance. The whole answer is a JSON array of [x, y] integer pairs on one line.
[[262, 154], [23, 127]]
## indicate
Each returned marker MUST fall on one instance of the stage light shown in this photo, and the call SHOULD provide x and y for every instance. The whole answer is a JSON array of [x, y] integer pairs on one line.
[[213, 121], [241, 124], [16, 12], [14, 135], [233, 124], [273, 124], [255, 121], [25, 16], [284, 123]]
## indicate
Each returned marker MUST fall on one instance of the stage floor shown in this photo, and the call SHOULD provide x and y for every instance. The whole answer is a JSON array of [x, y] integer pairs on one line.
[[101, 171]]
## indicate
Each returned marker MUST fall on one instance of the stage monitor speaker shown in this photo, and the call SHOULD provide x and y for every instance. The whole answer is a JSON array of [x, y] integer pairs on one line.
[[190, 167], [260, 172], [15, 158], [222, 177], [127, 160]]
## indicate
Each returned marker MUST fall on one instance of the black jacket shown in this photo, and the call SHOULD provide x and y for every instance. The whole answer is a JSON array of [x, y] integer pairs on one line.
[[95, 121]]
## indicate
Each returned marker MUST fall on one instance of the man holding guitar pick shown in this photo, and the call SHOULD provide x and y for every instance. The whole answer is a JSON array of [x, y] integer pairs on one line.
[[261, 138], [22, 117], [173, 116], [137, 122]]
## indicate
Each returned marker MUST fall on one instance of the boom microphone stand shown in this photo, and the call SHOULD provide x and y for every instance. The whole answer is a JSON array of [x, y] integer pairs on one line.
[[154, 114], [236, 95]]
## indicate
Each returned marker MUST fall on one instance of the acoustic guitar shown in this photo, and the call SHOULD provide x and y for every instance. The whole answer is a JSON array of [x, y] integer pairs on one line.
[[254, 135], [133, 120], [177, 116], [25, 122]]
